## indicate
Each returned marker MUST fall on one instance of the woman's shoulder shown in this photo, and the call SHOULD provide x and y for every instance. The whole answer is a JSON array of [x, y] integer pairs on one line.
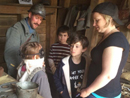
[[117, 35], [117, 39]]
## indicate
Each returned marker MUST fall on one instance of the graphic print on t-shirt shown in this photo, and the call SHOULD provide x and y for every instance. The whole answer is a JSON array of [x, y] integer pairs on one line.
[[76, 75], [76, 78]]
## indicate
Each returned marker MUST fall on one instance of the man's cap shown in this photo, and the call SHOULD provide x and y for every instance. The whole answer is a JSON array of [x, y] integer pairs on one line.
[[38, 9], [110, 9]]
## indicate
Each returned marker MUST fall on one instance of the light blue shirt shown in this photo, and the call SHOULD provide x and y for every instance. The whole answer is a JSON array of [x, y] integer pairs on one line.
[[97, 96], [30, 29]]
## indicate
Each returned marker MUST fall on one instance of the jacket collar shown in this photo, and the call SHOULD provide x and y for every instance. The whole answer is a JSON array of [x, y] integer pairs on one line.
[[66, 71], [25, 26]]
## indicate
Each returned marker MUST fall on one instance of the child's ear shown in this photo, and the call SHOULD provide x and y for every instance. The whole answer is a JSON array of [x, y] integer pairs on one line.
[[29, 14], [84, 49], [35, 57]]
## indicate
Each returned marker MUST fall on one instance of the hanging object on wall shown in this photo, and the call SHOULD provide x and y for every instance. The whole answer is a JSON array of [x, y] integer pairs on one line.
[[78, 16], [124, 11], [25, 2]]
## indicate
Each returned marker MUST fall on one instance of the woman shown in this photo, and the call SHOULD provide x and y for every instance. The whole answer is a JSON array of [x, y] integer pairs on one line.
[[108, 57]]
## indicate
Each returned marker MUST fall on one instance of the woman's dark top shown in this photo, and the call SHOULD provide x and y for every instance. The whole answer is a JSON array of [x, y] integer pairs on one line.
[[113, 88]]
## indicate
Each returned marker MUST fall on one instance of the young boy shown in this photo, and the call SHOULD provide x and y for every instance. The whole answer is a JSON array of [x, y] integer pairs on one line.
[[33, 57], [60, 49], [70, 75]]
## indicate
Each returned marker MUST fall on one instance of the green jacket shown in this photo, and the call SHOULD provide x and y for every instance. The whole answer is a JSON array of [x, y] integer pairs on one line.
[[15, 37]]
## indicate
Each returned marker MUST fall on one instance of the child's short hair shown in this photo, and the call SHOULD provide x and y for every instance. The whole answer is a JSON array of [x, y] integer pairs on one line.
[[80, 38], [63, 29], [30, 49]]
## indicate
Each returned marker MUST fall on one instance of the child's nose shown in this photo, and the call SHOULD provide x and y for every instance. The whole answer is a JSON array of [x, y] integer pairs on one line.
[[94, 24]]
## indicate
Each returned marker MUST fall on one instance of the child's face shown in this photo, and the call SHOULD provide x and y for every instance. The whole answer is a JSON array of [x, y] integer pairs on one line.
[[62, 37], [77, 49]]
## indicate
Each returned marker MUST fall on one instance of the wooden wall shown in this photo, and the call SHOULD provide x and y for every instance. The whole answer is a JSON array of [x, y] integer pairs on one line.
[[5, 22]]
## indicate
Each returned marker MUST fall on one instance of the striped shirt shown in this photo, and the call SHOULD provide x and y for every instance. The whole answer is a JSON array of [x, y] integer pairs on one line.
[[59, 51]]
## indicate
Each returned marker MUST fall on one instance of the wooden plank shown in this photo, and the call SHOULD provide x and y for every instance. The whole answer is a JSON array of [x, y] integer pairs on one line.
[[61, 14], [41, 31], [53, 2], [42, 28], [66, 3], [7, 20], [79, 2], [17, 9], [36, 1], [8, 1], [61, 17], [24, 16], [2, 59], [42, 37], [2, 40], [3, 31], [95, 2], [47, 39], [53, 28], [2, 46], [73, 2]]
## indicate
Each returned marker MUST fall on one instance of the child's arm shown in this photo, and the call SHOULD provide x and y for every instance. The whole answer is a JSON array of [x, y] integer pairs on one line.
[[44, 89], [52, 65]]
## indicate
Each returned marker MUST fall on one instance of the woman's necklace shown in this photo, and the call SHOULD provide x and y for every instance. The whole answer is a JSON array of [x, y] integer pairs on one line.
[[104, 37]]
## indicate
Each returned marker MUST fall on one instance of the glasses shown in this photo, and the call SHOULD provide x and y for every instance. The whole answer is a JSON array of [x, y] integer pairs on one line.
[[41, 53]]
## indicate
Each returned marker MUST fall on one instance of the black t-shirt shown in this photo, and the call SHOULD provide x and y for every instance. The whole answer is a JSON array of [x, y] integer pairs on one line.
[[76, 75], [113, 88]]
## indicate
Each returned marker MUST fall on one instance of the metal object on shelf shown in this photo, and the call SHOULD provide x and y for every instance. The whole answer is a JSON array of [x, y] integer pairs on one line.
[[7, 90], [26, 89]]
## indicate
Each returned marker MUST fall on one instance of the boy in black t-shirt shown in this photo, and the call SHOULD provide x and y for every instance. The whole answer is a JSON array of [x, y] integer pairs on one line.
[[70, 75]]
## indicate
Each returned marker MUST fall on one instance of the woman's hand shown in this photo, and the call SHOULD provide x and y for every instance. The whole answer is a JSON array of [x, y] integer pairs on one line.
[[84, 93]]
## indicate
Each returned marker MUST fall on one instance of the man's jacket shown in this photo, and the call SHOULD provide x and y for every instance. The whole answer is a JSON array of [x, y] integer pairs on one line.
[[15, 37]]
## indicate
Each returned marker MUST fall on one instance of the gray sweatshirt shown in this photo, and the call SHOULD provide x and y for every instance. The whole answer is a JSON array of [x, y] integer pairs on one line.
[[41, 79]]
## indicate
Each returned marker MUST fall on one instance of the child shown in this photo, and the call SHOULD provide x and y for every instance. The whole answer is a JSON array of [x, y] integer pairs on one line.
[[60, 49], [33, 57], [70, 75]]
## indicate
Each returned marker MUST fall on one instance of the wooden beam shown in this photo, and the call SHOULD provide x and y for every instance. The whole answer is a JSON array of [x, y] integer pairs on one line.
[[95, 2], [18, 9], [53, 2], [66, 3], [53, 20]]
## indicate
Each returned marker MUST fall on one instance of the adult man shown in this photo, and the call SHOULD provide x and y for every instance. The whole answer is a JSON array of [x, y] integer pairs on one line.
[[19, 34]]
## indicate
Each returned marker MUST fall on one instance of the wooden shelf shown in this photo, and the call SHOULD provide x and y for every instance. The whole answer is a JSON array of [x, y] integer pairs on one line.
[[28, 5]]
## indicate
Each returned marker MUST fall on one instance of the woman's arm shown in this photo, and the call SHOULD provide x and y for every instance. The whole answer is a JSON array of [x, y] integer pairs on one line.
[[110, 63]]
